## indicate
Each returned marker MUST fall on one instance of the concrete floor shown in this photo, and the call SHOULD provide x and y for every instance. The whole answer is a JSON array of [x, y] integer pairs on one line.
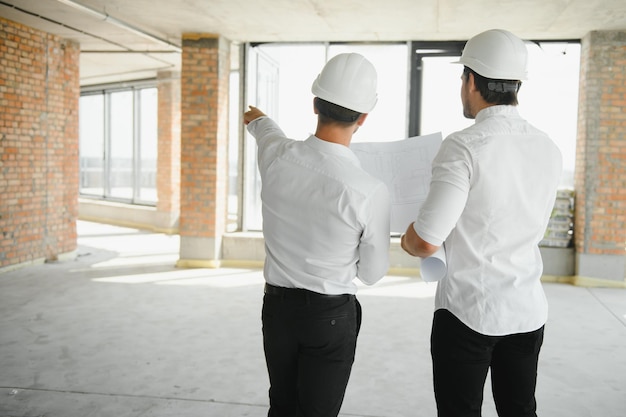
[[119, 331]]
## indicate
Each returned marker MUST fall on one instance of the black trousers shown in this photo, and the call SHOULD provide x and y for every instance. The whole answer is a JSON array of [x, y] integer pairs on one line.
[[461, 358], [309, 341]]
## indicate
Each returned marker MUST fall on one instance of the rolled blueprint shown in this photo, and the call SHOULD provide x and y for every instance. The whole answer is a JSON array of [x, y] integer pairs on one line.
[[434, 267]]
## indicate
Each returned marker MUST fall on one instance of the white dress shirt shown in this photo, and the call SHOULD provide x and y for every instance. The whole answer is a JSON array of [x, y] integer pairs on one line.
[[492, 192], [325, 220]]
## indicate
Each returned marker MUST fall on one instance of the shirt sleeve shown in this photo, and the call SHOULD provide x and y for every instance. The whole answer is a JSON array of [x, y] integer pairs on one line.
[[268, 135], [449, 189], [264, 128], [373, 261], [440, 212]]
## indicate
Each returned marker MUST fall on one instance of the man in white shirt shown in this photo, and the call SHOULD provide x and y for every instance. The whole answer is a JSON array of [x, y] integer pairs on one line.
[[492, 191], [325, 223]]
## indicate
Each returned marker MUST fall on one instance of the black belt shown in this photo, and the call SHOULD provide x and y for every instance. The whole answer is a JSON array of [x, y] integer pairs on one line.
[[301, 293]]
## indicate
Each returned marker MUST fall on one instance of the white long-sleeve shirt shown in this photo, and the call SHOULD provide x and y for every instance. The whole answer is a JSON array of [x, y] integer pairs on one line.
[[492, 191], [325, 220]]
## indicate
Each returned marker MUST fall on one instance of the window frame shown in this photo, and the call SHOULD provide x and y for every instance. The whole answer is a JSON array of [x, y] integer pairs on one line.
[[106, 91], [419, 51]]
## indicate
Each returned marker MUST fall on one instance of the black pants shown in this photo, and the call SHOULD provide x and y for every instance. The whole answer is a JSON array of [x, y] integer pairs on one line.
[[461, 358], [310, 341]]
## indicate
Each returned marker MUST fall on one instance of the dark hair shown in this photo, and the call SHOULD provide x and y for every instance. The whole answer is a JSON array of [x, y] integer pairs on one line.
[[333, 113], [495, 91]]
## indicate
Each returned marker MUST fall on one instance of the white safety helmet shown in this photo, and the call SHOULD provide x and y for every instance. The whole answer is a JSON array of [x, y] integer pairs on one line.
[[496, 54], [348, 80]]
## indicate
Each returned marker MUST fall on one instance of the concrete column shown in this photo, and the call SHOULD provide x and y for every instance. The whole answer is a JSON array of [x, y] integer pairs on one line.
[[168, 160], [600, 182], [204, 149]]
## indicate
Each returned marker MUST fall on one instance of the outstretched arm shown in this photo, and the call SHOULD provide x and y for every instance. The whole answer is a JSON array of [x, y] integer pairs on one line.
[[252, 114]]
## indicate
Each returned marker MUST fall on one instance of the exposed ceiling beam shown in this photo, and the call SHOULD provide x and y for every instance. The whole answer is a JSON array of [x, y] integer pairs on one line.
[[119, 23]]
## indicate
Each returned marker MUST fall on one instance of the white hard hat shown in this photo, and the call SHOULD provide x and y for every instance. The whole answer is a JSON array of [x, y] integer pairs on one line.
[[348, 80], [496, 54]]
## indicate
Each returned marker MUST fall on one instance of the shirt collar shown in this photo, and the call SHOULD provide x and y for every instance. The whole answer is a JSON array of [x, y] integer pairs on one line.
[[333, 149], [498, 110]]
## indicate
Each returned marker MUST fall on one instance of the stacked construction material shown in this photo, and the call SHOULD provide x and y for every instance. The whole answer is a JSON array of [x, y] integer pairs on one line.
[[560, 230]]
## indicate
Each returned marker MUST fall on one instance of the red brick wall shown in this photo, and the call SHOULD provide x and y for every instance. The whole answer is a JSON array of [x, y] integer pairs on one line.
[[168, 164], [204, 136], [39, 93], [600, 223]]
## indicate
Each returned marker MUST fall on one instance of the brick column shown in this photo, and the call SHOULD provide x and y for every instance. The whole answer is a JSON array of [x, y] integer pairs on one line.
[[39, 97], [168, 160], [204, 152], [600, 182], [60, 135]]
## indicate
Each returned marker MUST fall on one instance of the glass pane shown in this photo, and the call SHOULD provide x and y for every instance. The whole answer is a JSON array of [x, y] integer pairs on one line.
[[441, 108], [296, 67], [554, 73], [91, 149], [264, 91], [281, 87], [148, 113], [121, 145], [553, 70], [387, 121]]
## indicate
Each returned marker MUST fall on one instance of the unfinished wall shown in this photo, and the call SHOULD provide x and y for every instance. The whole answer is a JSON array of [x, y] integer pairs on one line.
[[600, 182], [204, 148], [39, 96], [168, 160]]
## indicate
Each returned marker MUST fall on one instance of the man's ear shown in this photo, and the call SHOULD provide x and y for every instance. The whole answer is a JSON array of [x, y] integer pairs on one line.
[[361, 119], [314, 106], [471, 82]]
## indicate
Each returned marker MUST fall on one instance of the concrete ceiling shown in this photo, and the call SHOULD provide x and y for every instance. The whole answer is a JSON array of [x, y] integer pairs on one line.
[[133, 39]]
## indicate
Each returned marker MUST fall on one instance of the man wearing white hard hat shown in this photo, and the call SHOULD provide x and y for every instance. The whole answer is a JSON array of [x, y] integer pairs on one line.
[[492, 192], [325, 223]]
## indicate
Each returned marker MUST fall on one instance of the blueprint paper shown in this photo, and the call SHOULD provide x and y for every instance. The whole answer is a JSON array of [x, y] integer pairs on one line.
[[405, 167]]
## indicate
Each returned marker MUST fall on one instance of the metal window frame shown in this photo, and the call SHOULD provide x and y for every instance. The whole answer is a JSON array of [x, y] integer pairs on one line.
[[420, 50], [106, 90]]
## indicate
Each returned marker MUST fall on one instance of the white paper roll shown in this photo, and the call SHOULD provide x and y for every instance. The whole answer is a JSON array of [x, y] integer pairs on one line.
[[434, 267]]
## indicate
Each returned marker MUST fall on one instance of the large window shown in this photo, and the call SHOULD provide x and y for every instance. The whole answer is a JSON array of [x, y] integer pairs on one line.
[[548, 99], [279, 83], [91, 145], [118, 144], [419, 93]]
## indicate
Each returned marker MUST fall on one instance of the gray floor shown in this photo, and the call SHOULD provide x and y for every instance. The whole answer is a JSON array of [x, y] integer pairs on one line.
[[120, 332]]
